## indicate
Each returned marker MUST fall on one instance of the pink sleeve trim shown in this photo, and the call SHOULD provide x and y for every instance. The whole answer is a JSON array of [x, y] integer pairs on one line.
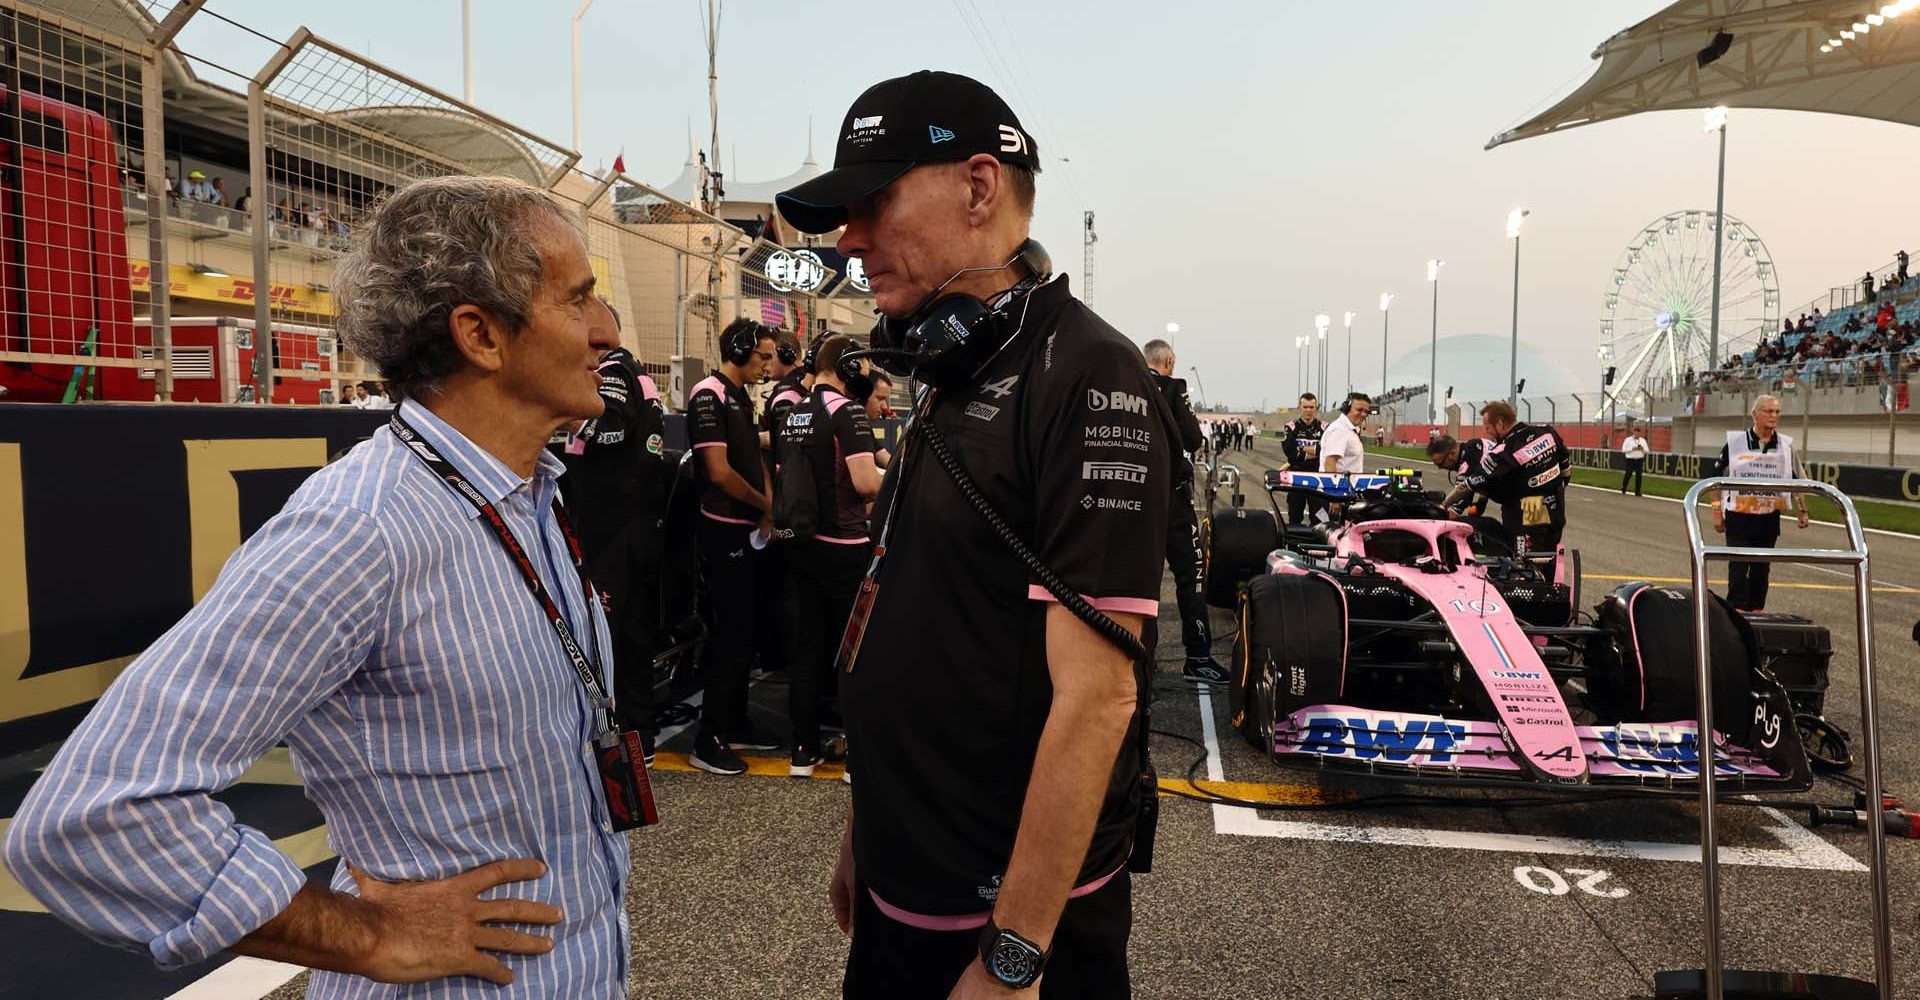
[[1119, 605], [648, 390], [710, 444]]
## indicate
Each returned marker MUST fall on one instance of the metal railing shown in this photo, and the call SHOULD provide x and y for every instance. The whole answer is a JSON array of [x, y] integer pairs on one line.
[[1856, 556]]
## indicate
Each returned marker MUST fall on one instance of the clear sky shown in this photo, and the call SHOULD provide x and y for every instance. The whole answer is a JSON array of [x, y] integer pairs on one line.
[[1250, 163]]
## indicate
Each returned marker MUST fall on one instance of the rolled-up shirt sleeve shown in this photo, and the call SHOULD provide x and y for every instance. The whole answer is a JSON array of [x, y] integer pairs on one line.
[[121, 837]]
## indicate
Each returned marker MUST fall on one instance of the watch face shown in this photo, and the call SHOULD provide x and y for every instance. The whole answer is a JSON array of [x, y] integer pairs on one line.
[[1013, 962]]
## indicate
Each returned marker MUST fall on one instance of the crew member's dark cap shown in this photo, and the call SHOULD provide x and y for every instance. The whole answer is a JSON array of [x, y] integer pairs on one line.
[[898, 124]]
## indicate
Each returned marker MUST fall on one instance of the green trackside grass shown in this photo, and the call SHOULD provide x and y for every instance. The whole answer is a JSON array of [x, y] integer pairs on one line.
[[1873, 514]]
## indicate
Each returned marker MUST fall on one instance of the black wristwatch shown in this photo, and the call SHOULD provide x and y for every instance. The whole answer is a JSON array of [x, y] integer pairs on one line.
[[1013, 960]]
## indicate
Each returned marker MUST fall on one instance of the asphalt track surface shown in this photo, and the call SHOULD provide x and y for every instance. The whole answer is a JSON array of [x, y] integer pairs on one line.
[[728, 895]]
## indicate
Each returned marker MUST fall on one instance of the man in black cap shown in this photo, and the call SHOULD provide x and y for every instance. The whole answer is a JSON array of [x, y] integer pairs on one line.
[[994, 734]]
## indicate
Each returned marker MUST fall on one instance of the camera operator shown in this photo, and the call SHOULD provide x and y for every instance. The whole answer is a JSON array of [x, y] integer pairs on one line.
[[999, 780], [1183, 531]]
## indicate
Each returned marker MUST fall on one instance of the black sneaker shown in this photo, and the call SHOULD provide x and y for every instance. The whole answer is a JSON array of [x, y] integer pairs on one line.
[[712, 756], [752, 739], [805, 759], [1204, 670]]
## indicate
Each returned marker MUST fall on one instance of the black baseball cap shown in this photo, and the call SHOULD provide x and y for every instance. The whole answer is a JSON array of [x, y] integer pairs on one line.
[[899, 124]]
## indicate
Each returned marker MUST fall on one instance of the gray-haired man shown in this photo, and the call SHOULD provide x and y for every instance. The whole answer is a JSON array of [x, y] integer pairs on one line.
[[438, 710]]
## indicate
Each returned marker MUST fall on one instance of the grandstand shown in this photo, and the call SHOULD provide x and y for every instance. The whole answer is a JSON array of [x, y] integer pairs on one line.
[[1862, 340]]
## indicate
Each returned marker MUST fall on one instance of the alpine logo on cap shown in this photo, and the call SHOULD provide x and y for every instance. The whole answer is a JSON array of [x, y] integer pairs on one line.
[[1011, 141], [937, 135]]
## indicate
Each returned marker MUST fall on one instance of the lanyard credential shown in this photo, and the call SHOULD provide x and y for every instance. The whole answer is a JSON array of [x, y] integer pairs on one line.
[[457, 481]]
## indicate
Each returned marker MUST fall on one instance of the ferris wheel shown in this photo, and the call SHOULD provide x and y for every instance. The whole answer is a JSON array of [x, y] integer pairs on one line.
[[1659, 302]]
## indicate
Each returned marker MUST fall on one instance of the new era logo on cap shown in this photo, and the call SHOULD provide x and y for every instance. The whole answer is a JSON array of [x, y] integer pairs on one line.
[[937, 134]]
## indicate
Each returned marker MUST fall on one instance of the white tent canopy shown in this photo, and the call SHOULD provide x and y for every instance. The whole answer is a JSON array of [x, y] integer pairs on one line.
[[1772, 59]]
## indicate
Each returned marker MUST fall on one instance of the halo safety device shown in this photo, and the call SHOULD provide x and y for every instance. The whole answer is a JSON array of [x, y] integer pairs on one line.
[[942, 339]]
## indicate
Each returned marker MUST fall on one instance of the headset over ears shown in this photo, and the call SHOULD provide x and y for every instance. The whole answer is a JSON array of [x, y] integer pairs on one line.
[[788, 353], [739, 339], [942, 337]]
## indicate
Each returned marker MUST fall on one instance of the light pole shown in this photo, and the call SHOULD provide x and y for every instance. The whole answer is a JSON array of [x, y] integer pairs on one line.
[[1514, 219], [577, 15], [1320, 324], [1716, 121], [1299, 366], [1386, 319], [1350, 315], [1433, 343]]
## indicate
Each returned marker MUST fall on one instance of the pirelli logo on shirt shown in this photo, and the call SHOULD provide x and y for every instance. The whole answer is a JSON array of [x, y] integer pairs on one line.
[[1114, 472]]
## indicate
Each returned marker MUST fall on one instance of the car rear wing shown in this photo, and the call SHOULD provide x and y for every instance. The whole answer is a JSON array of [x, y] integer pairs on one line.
[[1713, 981]]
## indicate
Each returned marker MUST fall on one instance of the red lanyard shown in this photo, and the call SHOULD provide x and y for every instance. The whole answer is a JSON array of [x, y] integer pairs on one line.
[[589, 676]]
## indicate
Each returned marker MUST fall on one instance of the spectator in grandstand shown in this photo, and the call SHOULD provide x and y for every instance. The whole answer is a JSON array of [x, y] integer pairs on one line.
[[282, 212], [994, 733], [307, 217], [824, 447], [1634, 451], [197, 187], [735, 498], [245, 204], [1751, 519], [1867, 288], [438, 716], [1900, 267], [217, 192]]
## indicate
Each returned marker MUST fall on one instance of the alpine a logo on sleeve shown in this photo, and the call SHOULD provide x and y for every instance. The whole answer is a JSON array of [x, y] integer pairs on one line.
[[1117, 400], [1114, 472]]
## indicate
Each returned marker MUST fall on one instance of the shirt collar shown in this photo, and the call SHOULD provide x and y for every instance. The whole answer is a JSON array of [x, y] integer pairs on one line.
[[488, 474]]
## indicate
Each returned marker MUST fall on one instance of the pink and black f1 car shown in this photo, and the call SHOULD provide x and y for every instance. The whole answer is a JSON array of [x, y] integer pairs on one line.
[[1399, 643]]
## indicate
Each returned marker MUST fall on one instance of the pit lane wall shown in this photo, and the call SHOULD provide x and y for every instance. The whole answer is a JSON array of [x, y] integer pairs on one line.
[[116, 518]]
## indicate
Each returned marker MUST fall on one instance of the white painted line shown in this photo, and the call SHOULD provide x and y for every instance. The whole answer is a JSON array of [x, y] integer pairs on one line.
[[1802, 849], [240, 979], [1830, 524]]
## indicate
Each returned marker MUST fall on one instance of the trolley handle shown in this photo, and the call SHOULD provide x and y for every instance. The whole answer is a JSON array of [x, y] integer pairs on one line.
[[1856, 536]]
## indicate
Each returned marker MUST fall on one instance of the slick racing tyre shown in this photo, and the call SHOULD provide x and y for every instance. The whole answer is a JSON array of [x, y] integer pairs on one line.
[[1291, 651], [1234, 544], [1648, 674]]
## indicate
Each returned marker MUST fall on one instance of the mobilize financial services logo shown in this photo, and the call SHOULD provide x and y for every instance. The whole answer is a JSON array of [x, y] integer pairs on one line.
[[1114, 472], [1124, 402]]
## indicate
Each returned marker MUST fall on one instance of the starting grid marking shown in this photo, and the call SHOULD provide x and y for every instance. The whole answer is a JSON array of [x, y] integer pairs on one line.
[[1800, 848]]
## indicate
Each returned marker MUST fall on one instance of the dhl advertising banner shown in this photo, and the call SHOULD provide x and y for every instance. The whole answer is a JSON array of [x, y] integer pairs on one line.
[[186, 283]]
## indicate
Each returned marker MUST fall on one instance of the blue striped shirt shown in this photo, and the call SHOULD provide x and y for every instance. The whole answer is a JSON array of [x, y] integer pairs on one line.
[[378, 626]]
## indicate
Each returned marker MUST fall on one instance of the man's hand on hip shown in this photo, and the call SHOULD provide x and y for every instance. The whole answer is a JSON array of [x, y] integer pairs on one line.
[[431, 930]]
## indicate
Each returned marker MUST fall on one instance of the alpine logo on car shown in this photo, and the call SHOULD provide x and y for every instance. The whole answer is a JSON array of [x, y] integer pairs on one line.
[[1387, 737]]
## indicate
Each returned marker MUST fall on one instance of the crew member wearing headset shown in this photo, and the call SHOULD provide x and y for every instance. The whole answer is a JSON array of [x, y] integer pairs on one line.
[[1300, 442], [1341, 448], [616, 488], [785, 386], [734, 499], [1751, 519], [1183, 531], [829, 428], [1525, 467], [997, 783]]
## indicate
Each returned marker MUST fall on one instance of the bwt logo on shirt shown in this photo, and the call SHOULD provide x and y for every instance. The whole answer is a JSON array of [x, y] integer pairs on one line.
[[1114, 472], [1125, 402]]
